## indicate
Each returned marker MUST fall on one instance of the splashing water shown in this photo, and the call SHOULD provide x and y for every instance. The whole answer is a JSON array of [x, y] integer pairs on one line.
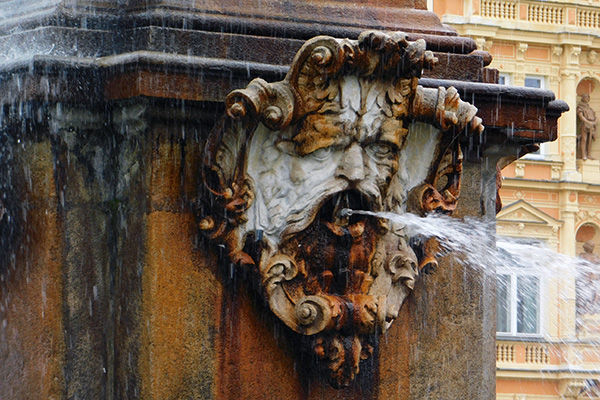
[[466, 236], [480, 248]]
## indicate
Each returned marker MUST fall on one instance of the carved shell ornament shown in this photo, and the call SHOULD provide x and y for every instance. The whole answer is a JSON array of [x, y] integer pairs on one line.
[[348, 128]]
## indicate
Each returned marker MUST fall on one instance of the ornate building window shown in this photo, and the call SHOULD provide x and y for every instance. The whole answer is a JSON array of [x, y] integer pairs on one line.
[[537, 82], [518, 293], [518, 304], [504, 79]]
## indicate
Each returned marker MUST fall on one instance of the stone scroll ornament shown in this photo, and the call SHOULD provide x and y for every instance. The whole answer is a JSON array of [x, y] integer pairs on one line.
[[348, 128]]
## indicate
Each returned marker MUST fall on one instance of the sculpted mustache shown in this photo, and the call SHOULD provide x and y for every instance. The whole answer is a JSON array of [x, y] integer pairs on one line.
[[371, 192]]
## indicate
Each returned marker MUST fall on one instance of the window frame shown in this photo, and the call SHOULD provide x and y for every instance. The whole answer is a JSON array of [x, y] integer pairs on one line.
[[513, 304], [543, 152], [514, 270], [507, 78], [540, 78]]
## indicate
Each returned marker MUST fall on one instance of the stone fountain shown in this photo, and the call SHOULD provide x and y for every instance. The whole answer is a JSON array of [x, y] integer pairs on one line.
[[175, 187]]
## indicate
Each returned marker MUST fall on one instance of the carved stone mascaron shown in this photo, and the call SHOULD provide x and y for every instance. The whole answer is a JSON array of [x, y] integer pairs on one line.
[[349, 127]]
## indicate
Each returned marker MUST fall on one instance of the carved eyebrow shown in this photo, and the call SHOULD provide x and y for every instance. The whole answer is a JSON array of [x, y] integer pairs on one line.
[[395, 138], [391, 140], [304, 148], [394, 147]]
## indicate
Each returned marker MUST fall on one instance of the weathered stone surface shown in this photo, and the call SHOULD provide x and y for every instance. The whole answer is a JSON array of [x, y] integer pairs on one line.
[[337, 134], [32, 346], [106, 289]]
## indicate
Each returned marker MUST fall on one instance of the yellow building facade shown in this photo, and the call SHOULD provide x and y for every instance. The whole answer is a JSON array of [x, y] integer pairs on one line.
[[548, 346]]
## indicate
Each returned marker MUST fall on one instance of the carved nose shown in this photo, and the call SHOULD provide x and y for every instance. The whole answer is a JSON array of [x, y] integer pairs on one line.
[[352, 166]]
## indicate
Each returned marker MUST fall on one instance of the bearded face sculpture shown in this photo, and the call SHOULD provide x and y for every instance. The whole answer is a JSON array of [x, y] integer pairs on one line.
[[349, 128]]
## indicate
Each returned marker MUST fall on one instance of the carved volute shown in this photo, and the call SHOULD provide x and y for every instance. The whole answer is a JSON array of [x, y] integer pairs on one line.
[[348, 128]]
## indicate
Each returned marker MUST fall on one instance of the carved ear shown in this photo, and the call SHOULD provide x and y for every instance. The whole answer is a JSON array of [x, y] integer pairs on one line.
[[440, 191], [319, 61], [271, 104], [223, 177], [223, 156]]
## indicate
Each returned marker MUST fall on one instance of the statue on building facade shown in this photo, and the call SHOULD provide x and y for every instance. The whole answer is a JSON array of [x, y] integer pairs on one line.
[[587, 127], [588, 296]]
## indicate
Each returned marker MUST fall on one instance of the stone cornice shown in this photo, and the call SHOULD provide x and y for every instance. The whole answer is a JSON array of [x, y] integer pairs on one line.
[[550, 185], [346, 21]]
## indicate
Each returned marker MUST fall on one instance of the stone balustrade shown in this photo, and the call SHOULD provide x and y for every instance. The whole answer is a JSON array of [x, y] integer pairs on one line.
[[499, 9], [505, 352], [531, 353], [546, 356], [540, 12]]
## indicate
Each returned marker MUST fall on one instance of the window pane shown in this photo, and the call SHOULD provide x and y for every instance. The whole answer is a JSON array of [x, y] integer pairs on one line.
[[528, 294], [503, 303], [533, 82]]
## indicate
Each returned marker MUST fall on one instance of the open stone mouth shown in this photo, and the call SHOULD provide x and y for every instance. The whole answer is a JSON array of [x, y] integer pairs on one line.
[[331, 211]]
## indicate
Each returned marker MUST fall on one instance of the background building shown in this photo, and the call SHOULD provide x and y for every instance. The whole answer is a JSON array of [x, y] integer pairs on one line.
[[547, 343]]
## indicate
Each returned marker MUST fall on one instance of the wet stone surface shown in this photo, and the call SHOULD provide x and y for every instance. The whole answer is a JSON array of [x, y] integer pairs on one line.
[[108, 289]]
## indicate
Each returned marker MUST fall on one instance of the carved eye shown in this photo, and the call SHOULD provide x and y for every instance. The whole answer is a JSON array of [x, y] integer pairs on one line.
[[321, 154], [379, 150]]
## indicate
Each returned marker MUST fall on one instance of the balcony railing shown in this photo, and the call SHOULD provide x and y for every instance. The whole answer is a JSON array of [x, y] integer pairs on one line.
[[536, 354], [532, 354], [499, 9], [546, 356], [505, 352], [588, 19], [544, 14], [538, 12]]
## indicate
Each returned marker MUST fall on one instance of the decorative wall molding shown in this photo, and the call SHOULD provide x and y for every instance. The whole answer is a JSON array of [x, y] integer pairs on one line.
[[519, 169], [584, 216], [348, 128], [484, 44], [521, 219], [574, 53], [592, 56], [555, 172], [557, 52], [521, 50], [569, 144]]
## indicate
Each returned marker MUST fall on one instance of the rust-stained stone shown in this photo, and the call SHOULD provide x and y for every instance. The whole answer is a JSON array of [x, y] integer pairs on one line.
[[448, 369], [173, 176], [338, 280], [514, 114], [469, 67], [165, 85], [180, 289], [32, 346], [169, 320], [85, 266], [245, 338], [181, 299]]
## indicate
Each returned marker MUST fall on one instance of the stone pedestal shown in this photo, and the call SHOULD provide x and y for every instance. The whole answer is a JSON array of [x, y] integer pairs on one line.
[[590, 170], [107, 289]]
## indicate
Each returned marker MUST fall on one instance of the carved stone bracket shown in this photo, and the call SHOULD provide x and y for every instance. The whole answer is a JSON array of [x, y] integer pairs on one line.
[[348, 128], [592, 56]]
